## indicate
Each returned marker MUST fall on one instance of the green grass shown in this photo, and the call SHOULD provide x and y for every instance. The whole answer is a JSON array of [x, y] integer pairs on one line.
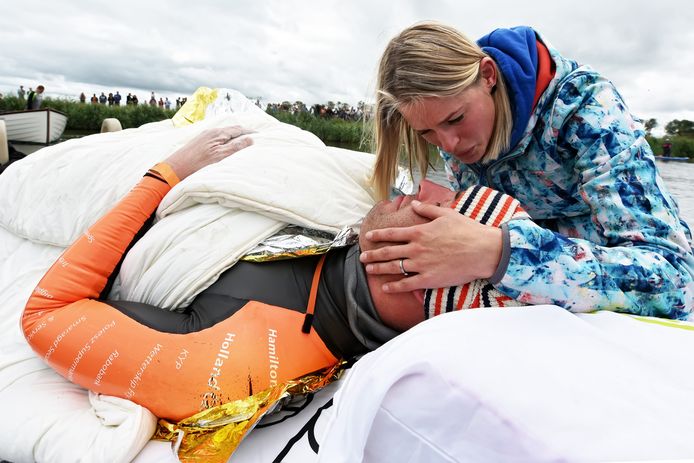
[[332, 131]]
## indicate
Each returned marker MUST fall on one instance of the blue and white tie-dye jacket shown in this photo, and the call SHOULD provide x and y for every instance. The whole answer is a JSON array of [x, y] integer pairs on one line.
[[605, 232]]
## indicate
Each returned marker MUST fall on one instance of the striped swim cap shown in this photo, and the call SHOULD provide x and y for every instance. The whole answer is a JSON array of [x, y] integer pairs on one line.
[[489, 207]]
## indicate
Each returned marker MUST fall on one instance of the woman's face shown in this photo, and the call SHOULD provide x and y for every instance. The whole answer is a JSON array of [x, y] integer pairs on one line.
[[460, 125]]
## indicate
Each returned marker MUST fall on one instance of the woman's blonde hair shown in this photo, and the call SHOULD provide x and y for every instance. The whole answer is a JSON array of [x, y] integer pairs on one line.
[[427, 60]]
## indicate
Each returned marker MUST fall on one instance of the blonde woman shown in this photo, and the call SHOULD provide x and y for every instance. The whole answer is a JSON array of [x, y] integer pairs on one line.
[[510, 112]]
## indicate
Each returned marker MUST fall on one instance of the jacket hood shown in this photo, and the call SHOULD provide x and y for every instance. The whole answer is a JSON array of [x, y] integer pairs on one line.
[[515, 53]]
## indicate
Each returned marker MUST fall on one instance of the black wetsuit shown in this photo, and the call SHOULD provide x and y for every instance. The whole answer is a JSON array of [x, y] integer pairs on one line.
[[344, 317]]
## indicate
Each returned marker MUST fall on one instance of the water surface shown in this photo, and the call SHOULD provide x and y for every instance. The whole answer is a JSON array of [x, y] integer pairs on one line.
[[679, 179]]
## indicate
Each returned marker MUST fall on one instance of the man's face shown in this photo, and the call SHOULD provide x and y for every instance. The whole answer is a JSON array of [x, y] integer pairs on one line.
[[398, 212], [399, 310]]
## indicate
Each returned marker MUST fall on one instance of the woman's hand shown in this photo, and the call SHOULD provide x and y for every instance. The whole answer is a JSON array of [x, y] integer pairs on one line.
[[450, 250], [208, 147]]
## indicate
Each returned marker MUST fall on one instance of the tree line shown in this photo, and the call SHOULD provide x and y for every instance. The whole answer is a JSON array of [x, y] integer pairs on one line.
[[679, 135]]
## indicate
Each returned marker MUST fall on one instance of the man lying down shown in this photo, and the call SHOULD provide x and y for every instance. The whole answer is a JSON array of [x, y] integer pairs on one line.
[[258, 325]]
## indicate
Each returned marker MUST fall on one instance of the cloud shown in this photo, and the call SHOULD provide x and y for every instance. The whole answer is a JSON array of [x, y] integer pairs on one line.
[[317, 51]]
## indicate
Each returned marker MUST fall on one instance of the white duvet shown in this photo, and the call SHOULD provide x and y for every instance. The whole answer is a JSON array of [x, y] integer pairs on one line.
[[528, 384], [203, 226]]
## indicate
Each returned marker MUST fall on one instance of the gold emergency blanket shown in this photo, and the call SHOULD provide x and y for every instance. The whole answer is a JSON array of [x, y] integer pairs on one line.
[[211, 436], [293, 241]]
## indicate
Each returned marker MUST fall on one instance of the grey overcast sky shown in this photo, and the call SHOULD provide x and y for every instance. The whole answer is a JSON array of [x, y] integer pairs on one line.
[[317, 51]]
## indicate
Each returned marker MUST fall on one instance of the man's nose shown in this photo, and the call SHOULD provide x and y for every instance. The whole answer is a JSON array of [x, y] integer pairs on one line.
[[432, 193]]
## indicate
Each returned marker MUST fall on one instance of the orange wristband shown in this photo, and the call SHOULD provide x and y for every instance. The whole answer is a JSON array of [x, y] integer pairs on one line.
[[167, 173]]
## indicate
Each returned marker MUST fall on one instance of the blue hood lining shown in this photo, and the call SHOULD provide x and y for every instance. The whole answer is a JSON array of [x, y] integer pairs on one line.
[[515, 53]]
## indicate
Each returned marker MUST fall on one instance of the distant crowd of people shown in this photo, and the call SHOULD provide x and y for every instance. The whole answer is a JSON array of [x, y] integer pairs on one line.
[[330, 110], [114, 99], [33, 99]]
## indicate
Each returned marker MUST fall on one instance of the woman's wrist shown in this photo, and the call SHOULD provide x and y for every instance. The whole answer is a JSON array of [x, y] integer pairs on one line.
[[492, 249]]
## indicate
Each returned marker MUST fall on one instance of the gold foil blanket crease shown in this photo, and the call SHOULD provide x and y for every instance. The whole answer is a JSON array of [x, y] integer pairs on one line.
[[212, 435]]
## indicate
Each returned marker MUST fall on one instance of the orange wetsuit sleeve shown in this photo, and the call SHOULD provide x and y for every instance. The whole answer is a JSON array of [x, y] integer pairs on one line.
[[78, 274]]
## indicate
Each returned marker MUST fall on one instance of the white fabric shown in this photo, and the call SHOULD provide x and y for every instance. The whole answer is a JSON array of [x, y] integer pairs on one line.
[[55, 193], [46, 418], [278, 179], [519, 384], [206, 222]]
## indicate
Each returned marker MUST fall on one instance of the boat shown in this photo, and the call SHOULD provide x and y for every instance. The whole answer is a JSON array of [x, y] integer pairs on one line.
[[671, 158], [43, 126]]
